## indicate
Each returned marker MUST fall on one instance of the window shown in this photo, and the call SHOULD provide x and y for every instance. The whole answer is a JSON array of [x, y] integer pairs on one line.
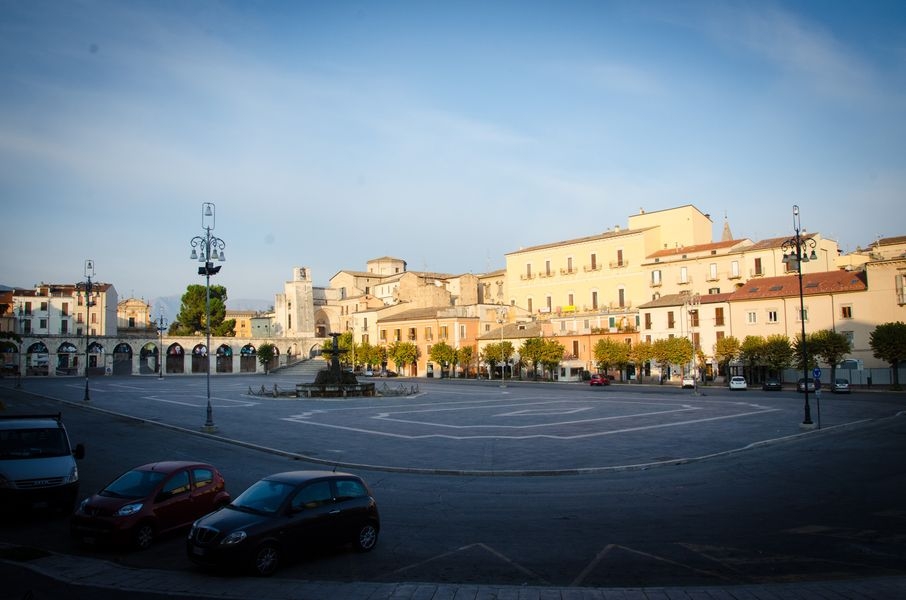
[[656, 278], [758, 269], [348, 489], [846, 311], [42, 323], [562, 325], [547, 268], [647, 320], [594, 300], [569, 264], [693, 315], [594, 261], [65, 310], [44, 307], [696, 340], [529, 304], [621, 297], [28, 307], [412, 335], [549, 304], [383, 335], [132, 322], [443, 332], [203, 477], [684, 275], [313, 495], [671, 322], [570, 300], [734, 269], [713, 290], [528, 271], [803, 316], [718, 335], [575, 347], [462, 331], [712, 272], [751, 317], [178, 484], [772, 316], [620, 257], [719, 316], [397, 335], [64, 327], [429, 334]]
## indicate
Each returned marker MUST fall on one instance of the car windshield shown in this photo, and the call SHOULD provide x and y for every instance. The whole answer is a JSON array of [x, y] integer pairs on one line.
[[264, 496], [134, 484], [33, 443]]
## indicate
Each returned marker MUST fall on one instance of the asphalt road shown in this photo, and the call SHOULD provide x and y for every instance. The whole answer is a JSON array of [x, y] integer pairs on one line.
[[724, 488]]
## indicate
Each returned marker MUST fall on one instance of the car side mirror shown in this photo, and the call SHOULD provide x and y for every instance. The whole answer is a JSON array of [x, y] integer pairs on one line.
[[79, 452]]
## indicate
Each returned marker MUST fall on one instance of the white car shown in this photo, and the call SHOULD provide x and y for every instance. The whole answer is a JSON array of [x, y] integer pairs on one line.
[[738, 383], [688, 381]]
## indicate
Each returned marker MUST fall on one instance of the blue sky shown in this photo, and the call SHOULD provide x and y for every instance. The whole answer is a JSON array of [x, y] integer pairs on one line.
[[443, 133]]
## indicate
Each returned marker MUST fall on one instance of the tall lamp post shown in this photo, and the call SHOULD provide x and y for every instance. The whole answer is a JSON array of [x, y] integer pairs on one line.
[[161, 355], [87, 289], [795, 252], [206, 249], [501, 318], [692, 303]]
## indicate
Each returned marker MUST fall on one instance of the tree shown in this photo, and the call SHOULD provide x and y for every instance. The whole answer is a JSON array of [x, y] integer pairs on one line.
[[192, 313], [831, 347], [726, 350], [464, 357], [640, 354], [609, 353], [443, 354], [402, 354], [266, 353], [777, 352], [671, 351], [888, 342], [532, 351], [491, 355], [809, 353], [367, 354], [552, 355], [751, 351]]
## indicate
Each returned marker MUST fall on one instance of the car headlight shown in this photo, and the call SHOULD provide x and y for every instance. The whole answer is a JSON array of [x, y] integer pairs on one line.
[[233, 538], [73, 475], [129, 509], [83, 505]]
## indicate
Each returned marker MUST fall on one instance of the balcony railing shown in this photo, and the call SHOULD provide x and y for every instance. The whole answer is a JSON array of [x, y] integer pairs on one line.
[[685, 281], [526, 276], [619, 264], [655, 284], [567, 271], [589, 268]]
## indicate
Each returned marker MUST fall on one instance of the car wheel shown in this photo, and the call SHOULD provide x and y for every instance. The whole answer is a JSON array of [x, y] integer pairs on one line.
[[266, 560], [143, 536], [367, 538]]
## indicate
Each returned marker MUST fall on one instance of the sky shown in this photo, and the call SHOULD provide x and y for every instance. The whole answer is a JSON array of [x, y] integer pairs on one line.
[[444, 133]]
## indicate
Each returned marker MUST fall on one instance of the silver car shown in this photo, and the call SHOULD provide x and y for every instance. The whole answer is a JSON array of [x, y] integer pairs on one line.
[[841, 385]]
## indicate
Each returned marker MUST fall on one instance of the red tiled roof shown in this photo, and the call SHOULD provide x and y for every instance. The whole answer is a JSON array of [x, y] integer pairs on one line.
[[696, 248], [812, 283]]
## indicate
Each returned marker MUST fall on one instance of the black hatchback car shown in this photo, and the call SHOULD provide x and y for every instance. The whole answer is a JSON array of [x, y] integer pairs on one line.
[[282, 515]]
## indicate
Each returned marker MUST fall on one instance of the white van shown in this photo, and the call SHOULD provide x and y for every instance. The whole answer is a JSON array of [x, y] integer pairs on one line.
[[37, 463]]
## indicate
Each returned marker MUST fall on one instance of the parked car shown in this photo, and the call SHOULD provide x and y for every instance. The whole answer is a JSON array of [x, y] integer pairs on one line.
[[148, 501], [598, 379], [37, 464], [387, 373], [688, 382], [841, 386], [737, 382], [812, 385], [283, 514], [771, 384]]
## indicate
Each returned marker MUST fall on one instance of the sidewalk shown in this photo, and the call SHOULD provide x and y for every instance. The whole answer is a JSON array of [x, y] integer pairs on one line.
[[80, 571]]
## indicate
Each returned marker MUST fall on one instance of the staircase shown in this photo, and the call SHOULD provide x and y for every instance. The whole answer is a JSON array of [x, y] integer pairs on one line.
[[304, 371]]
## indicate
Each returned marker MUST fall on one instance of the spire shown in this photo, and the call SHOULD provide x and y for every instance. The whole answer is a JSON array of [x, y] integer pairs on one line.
[[726, 236]]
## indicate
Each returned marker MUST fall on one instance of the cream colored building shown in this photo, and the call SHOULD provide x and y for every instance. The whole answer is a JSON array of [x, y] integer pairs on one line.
[[133, 314]]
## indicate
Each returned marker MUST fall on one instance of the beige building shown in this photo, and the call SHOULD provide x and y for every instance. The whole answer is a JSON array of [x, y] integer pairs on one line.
[[133, 315]]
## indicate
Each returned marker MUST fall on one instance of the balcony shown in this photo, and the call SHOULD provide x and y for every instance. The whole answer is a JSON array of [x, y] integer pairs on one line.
[[526, 276], [734, 276], [756, 273], [590, 268], [548, 274], [567, 271], [619, 264], [655, 284], [685, 281]]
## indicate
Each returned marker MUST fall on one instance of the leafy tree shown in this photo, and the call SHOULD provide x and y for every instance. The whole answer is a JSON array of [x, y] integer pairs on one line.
[[640, 354], [345, 345], [888, 342], [552, 355], [464, 357], [751, 351], [831, 347], [368, 355], [266, 353], [192, 313], [726, 350], [402, 354], [532, 351], [671, 351], [809, 353], [490, 355], [443, 354], [777, 352], [609, 353]]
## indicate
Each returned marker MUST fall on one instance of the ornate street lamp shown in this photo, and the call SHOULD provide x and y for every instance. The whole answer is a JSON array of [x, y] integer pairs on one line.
[[206, 249], [161, 360], [795, 252], [691, 304], [87, 289], [501, 318]]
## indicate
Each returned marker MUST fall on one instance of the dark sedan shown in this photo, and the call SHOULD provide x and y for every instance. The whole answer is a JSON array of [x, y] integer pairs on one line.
[[282, 515], [771, 384], [148, 501]]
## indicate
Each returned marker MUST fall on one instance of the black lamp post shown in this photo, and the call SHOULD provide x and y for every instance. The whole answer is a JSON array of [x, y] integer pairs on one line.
[[795, 252], [161, 361], [87, 288], [206, 249]]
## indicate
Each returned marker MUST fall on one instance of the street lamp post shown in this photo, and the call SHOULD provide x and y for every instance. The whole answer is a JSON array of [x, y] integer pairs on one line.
[[795, 252], [501, 318], [87, 288], [692, 303], [205, 249], [161, 355]]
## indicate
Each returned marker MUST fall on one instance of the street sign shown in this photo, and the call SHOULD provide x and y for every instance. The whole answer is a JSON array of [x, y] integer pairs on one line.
[[817, 373]]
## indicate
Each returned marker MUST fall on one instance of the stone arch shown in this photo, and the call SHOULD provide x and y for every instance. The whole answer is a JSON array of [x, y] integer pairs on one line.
[[148, 359], [314, 351], [175, 361], [224, 359], [122, 359], [67, 359], [247, 359], [200, 362], [96, 359], [9, 357], [37, 360]]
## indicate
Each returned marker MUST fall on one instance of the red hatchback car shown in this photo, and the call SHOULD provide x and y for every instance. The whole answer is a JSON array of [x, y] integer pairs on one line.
[[598, 379], [148, 501]]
